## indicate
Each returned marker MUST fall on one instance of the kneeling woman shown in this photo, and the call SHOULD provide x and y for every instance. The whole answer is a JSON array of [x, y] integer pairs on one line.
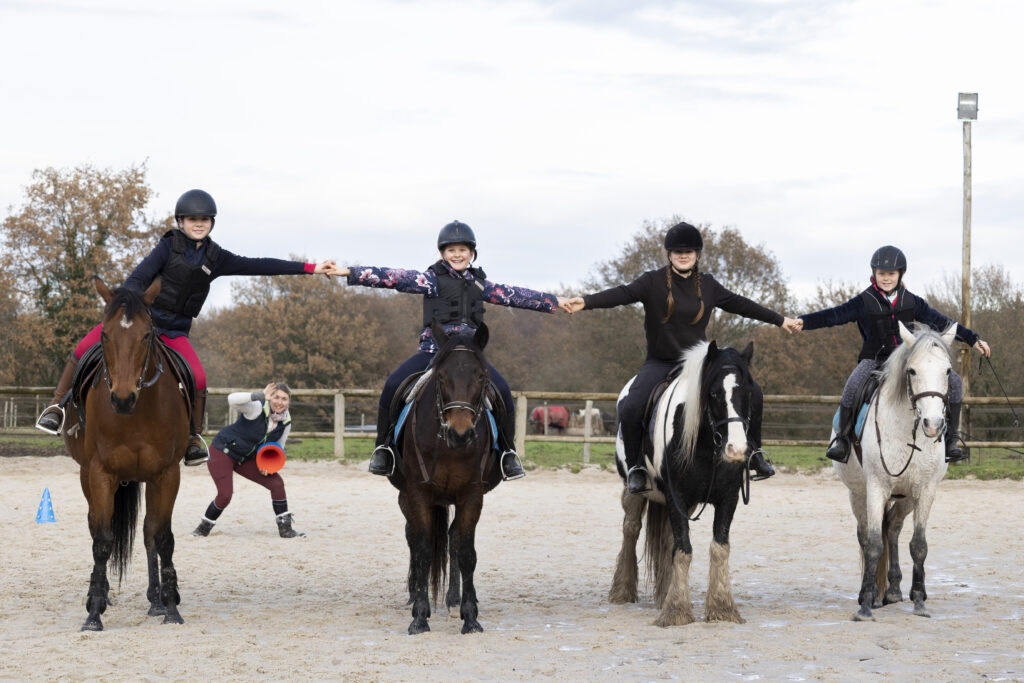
[[454, 292], [264, 419], [677, 300]]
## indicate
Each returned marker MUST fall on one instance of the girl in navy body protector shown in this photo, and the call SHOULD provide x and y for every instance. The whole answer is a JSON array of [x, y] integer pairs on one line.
[[186, 260], [454, 292], [264, 419], [878, 310], [677, 300]]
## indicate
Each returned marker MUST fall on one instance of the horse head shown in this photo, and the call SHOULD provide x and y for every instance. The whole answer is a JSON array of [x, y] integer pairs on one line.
[[922, 367], [727, 390], [128, 342], [462, 378]]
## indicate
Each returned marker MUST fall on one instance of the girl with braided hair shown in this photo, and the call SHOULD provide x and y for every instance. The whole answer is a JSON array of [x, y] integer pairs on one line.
[[678, 300]]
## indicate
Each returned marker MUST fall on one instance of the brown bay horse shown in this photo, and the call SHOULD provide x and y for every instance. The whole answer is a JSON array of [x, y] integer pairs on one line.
[[136, 430], [447, 461]]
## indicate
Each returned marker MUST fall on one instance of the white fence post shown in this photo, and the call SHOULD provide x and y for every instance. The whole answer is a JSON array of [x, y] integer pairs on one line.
[[521, 425], [339, 425], [586, 430]]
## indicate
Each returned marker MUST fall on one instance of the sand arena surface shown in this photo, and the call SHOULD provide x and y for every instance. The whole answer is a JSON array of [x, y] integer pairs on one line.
[[332, 605]]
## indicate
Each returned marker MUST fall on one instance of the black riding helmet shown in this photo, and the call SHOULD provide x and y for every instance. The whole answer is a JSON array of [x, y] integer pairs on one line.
[[196, 203], [682, 236], [889, 258], [456, 232]]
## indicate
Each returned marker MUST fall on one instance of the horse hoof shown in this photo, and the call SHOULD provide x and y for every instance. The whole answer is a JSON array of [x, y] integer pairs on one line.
[[472, 626], [454, 611], [156, 610], [920, 611], [864, 615], [173, 619], [418, 627], [92, 625]]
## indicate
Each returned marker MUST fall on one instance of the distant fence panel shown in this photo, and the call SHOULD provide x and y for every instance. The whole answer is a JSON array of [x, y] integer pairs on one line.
[[21, 405]]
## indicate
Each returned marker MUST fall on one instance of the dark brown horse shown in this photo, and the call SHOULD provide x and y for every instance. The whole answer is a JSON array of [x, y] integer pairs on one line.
[[136, 430], [447, 460]]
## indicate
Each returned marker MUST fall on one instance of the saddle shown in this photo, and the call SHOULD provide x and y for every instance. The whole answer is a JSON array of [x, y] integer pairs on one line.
[[861, 401], [88, 374]]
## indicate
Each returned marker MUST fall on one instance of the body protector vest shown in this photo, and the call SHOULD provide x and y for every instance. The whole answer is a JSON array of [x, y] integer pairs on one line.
[[883, 334], [458, 300], [184, 287], [241, 439]]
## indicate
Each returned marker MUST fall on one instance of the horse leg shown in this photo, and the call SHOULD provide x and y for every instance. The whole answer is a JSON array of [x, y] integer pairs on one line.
[[101, 511], [625, 579], [453, 598], [467, 514], [893, 527], [160, 497], [919, 551], [418, 529], [874, 504], [156, 608], [719, 605], [677, 609]]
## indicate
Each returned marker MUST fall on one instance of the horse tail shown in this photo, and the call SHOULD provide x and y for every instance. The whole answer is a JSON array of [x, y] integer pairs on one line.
[[127, 500], [439, 556], [882, 574], [658, 545]]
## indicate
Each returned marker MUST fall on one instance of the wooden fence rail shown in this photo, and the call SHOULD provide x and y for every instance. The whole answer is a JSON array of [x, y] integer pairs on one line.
[[588, 437]]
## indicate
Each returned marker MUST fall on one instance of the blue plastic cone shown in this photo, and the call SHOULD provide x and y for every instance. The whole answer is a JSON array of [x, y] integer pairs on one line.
[[45, 513]]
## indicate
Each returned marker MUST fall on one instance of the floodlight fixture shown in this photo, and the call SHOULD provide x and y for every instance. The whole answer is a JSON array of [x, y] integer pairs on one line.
[[967, 106]]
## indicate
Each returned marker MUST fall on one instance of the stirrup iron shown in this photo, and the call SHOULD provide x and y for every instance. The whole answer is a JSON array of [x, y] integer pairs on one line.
[[47, 411]]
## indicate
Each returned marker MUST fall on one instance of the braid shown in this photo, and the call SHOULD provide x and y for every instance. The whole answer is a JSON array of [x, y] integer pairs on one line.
[[671, 300], [696, 274]]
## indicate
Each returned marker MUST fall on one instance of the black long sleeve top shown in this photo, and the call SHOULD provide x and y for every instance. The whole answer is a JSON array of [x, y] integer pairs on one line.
[[667, 340]]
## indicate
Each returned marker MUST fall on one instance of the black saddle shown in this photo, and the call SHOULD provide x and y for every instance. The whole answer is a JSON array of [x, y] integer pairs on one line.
[[91, 368]]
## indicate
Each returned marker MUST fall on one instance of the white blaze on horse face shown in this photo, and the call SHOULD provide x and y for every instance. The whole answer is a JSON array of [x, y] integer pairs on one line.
[[736, 436], [931, 376], [125, 322]]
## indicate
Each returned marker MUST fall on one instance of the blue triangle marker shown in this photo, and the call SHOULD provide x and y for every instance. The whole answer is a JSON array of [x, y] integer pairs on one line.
[[45, 513]]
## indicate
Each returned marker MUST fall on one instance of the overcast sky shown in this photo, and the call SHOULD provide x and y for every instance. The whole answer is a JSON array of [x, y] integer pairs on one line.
[[355, 129]]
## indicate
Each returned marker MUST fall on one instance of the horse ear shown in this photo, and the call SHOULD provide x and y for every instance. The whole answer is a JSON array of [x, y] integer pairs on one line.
[[906, 335], [748, 353], [102, 289], [949, 335], [712, 349], [149, 296], [437, 329], [481, 336]]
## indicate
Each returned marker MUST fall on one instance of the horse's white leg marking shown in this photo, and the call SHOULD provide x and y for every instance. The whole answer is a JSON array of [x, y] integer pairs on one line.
[[736, 444], [625, 579], [720, 605], [678, 610]]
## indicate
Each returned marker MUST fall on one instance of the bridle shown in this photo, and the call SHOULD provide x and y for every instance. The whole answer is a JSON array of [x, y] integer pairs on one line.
[[476, 409], [917, 421], [141, 383]]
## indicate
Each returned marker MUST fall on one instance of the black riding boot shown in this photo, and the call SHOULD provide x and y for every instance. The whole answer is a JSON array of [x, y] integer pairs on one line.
[[382, 461], [758, 461], [953, 440], [51, 420], [196, 453], [839, 449], [511, 467]]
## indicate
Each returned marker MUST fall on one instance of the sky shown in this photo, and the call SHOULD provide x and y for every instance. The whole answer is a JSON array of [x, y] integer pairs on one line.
[[355, 129]]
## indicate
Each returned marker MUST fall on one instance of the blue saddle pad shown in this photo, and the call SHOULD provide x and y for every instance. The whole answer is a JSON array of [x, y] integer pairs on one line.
[[405, 413], [858, 428]]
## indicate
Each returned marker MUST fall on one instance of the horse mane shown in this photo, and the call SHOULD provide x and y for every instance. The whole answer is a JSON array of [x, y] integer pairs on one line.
[[893, 374], [456, 340], [130, 299], [690, 379]]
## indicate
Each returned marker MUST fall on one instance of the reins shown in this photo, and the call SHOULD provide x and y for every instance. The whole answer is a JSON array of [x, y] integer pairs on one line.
[[917, 421]]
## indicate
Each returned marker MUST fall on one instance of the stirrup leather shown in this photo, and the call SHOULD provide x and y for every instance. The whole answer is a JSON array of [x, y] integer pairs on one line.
[[46, 411]]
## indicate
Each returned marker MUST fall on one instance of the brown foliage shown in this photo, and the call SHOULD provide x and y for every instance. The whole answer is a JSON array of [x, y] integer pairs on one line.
[[75, 223]]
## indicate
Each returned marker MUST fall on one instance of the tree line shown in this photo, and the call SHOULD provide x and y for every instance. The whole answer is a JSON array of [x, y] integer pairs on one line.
[[317, 333]]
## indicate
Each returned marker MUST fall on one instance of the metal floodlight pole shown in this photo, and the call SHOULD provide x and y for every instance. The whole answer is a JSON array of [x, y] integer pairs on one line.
[[967, 110]]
